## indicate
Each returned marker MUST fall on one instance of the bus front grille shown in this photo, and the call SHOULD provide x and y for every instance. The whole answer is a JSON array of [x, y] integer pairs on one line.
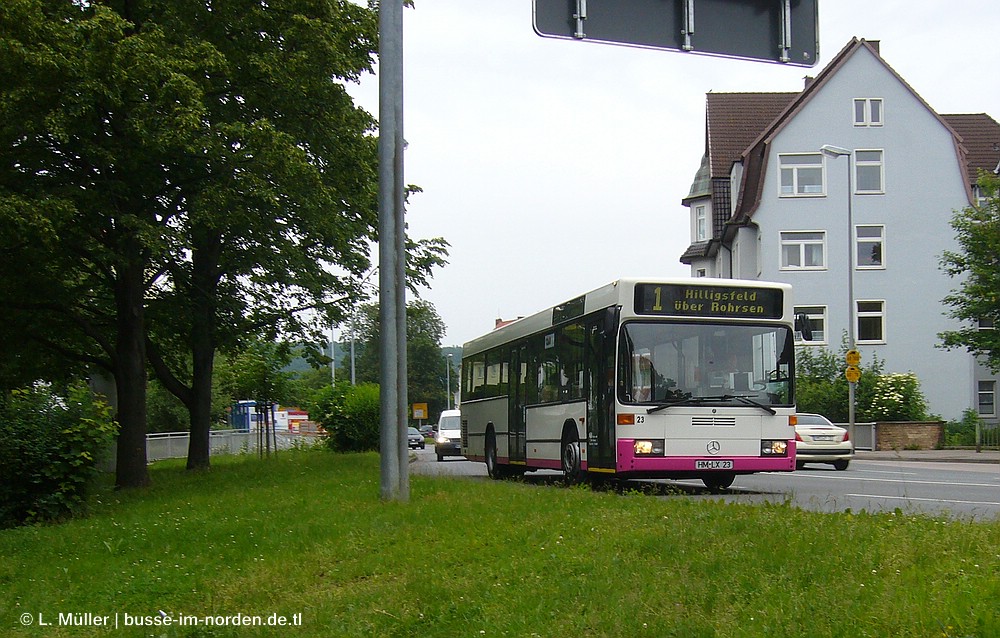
[[713, 421]]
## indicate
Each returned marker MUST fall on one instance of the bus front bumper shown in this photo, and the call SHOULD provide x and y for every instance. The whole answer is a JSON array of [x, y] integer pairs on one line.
[[632, 465]]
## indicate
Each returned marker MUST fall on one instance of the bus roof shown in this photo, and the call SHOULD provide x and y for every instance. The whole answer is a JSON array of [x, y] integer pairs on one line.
[[616, 293]]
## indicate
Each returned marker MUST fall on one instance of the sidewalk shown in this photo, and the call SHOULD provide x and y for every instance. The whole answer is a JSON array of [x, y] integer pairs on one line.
[[947, 456]]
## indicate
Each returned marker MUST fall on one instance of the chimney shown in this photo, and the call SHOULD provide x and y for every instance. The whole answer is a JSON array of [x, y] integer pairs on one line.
[[808, 80]]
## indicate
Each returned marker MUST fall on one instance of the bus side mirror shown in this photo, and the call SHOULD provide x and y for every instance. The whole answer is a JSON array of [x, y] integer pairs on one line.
[[802, 327]]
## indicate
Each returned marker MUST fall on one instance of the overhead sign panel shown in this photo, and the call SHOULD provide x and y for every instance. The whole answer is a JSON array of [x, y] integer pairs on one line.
[[782, 31]]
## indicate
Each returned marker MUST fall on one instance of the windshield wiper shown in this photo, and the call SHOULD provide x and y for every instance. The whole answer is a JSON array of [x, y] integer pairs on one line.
[[755, 403], [701, 400], [688, 401]]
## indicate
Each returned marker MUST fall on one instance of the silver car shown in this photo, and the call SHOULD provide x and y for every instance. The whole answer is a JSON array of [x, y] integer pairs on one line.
[[415, 439], [819, 441]]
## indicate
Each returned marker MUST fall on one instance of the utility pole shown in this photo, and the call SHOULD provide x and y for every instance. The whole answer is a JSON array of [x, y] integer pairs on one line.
[[395, 479]]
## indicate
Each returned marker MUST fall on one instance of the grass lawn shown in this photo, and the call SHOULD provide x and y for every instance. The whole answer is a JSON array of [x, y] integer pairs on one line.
[[304, 538]]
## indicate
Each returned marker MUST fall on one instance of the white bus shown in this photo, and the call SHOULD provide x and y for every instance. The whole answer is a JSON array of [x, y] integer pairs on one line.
[[687, 378]]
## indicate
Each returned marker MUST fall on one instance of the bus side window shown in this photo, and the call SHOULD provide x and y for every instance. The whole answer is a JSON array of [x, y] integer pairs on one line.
[[477, 376]]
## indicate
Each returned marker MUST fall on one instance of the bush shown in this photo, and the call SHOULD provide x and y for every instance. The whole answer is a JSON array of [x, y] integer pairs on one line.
[[822, 388], [962, 433], [897, 397], [49, 450], [351, 417]]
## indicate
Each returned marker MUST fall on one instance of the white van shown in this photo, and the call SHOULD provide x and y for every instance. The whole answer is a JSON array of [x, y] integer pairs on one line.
[[449, 434]]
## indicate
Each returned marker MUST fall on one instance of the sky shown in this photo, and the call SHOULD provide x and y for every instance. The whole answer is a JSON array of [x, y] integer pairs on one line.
[[553, 166]]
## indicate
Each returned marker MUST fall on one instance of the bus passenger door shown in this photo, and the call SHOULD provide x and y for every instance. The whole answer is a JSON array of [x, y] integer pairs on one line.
[[599, 360], [518, 400]]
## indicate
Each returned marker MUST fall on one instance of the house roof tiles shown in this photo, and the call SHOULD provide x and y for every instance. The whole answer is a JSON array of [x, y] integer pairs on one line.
[[980, 135], [735, 120]]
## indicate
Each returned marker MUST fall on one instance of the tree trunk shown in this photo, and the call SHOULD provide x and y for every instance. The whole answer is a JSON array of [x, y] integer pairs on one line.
[[200, 408], [204, 289], [130, 374]]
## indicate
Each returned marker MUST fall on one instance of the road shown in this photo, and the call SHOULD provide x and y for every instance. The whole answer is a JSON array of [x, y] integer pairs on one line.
[[955, 490]]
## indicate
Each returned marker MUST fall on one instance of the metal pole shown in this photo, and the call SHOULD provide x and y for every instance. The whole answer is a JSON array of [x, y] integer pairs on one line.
[[836, 151], [851, 308], [392, 314], [447, 391], [353, 376]]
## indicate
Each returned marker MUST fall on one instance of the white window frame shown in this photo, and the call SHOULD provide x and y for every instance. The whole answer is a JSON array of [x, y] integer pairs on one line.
[[858, 241], [868, 314], [784, 241], [795, 169], [868, 164], [979, 196], [700, 222], [986, 389], [814, 314], [866, 119]]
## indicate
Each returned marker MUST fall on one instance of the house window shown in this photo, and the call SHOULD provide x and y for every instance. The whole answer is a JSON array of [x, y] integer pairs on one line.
[[817, 322], [871, 321], [801, 175], [803, 250], [869, 242], [987, 398], [701, 272], [700, 224], [986, 323], [979, 195], [868, 111], [868, 171]]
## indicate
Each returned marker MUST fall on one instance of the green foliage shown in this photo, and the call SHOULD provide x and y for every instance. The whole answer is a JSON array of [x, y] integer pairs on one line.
[[962, 433], [49, 448], [897, 397], [426, 374], [258, 373], [977, 266], [307, 533], [351, 416], [822, 388]]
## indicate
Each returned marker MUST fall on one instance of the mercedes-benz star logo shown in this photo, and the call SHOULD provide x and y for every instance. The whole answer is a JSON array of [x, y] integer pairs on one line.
[[713, 447]]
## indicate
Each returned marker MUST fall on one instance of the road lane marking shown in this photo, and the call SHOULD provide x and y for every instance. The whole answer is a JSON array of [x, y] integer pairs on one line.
[[929, 500]]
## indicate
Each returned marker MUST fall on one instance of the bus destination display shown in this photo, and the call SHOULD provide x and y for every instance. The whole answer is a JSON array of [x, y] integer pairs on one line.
[[682, 300]]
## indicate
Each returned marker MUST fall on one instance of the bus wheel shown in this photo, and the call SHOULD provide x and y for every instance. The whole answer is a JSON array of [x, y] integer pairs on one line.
[[571, 456], [720, 481], [491, 457]]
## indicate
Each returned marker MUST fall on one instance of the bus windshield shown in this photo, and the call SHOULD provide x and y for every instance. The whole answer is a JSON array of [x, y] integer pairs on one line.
[[685, 363]]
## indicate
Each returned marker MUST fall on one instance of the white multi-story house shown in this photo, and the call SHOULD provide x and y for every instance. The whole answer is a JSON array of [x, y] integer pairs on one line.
[[851, 182]]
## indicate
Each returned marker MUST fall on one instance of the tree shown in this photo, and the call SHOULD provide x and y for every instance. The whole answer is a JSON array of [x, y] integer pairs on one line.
[[425, 362], [195, 170], [976, 301], [94, 107], [258, 374]]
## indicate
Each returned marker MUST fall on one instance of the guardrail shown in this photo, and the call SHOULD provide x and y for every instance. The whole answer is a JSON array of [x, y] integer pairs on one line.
[[174, 445]]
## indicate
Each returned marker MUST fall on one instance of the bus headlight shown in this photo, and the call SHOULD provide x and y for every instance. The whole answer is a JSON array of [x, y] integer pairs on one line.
[[774, 448], [652, 447]]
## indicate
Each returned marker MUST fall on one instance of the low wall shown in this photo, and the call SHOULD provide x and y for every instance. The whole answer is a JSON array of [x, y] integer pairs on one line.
[[909, 435]]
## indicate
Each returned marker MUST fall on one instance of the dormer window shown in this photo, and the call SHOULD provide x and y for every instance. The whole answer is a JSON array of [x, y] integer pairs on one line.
[[868, 111], [700, 223]]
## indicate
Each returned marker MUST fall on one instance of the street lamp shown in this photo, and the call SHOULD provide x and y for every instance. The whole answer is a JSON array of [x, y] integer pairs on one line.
[[835, 152], [447, 389]]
